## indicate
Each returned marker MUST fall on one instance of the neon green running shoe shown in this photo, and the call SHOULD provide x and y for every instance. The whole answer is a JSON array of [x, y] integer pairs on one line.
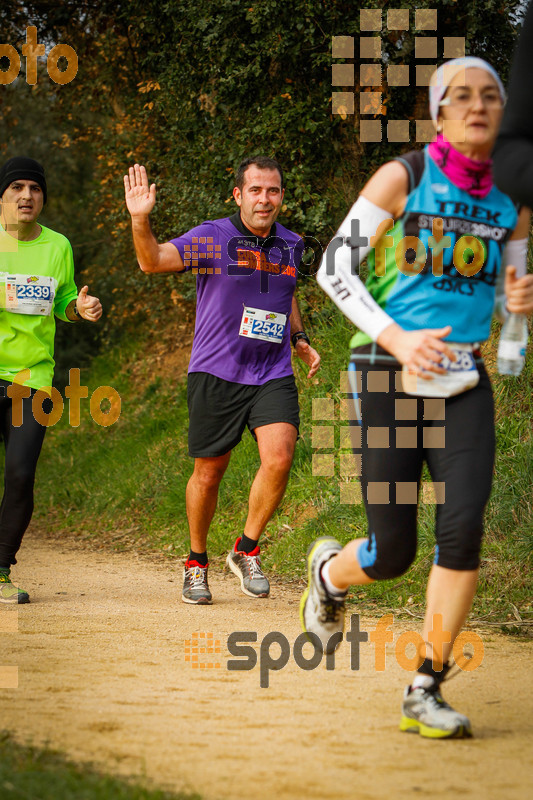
[[10, 593]]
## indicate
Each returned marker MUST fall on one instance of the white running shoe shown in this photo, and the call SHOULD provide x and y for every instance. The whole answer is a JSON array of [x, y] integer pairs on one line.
[[424, 711], [320, 612], [195, 586], [247, 568]]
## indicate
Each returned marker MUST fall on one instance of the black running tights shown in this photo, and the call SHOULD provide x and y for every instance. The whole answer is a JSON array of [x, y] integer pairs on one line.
[[22, 448]]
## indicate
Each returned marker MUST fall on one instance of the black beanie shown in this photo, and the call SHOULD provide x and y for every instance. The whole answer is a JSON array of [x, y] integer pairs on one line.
[[22, 168]]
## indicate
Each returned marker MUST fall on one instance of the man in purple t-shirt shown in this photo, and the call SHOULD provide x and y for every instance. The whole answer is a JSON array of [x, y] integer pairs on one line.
[[240, 372]]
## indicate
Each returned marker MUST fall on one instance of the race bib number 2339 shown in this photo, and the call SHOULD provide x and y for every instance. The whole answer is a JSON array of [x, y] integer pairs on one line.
[[27, 294]]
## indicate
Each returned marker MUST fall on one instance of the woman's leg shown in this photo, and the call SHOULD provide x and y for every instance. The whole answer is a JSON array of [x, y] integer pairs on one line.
[[461, 468], [389, 443], [464, 468]]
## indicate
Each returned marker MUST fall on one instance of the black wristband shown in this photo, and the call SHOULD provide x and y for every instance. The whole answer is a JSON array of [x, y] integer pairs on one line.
[[76, 312], [299, 335]]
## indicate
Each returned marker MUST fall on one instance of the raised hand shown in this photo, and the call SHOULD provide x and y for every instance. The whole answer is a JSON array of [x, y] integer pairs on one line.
[[140, 198]]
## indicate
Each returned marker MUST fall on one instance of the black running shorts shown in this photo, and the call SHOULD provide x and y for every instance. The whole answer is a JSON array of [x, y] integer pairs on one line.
[[220, 410]]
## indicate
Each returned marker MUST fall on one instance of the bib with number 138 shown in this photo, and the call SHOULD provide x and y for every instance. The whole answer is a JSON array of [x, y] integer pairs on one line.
[[461, 375], [27, 294], [265, 325]]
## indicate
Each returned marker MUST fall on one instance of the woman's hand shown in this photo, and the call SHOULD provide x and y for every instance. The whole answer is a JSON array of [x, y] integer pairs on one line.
[[421, 351], [518, 291]]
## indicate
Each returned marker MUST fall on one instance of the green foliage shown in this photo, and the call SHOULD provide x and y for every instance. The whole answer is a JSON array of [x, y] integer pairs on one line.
[[27, 772]]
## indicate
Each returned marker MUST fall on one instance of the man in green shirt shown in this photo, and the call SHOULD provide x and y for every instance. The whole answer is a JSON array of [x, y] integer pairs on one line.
[[36, 285]]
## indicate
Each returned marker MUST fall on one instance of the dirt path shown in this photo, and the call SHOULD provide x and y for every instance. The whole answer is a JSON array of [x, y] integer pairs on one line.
[[103, 676]]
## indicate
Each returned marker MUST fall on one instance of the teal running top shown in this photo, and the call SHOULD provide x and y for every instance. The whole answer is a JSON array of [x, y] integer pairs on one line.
[[424, 281]]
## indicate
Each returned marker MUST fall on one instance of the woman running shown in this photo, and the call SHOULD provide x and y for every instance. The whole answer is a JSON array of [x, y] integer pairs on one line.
[[441, 233]]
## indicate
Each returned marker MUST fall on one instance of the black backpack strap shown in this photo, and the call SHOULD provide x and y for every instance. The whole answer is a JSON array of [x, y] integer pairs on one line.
[[414, 162]]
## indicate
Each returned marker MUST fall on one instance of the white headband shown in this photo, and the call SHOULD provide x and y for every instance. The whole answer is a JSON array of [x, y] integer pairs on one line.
[[443, 76]]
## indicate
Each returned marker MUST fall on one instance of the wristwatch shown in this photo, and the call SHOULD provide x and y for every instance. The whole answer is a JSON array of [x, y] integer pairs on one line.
[[299, 335]]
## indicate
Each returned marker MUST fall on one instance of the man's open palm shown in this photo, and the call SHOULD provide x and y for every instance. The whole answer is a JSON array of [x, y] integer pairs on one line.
[[140, 198]]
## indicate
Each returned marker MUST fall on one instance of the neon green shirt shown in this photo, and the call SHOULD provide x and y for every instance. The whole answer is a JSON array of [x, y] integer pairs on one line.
[[27, 340]]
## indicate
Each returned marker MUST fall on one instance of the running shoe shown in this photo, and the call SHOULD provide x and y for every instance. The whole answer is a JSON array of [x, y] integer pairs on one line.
[[320, 612], [195, 586], [247, 567], [425, 712], [10, 593]]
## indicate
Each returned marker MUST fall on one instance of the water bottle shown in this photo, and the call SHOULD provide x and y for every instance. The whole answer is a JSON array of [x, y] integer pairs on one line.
[[512, 346]]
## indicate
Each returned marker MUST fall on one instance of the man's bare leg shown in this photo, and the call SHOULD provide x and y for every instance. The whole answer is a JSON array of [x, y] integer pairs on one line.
[[276, 449], [201, 497], [276, 444]]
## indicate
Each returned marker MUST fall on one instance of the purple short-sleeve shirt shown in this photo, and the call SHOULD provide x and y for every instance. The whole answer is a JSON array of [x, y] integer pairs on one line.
[[235, 269]]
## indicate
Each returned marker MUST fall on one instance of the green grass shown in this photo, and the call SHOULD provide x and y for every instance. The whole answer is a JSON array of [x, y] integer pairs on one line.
[[28, 773], [126, 483]]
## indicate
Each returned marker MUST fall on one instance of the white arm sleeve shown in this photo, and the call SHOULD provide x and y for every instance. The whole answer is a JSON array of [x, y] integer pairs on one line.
[[515, 253], [337, 274]]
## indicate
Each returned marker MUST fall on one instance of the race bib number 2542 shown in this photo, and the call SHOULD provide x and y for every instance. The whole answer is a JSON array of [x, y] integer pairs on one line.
[[256, 323]]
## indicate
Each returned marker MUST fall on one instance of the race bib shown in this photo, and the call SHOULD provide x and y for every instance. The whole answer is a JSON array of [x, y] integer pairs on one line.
[[27, 294], [460, 376], [265, 325]]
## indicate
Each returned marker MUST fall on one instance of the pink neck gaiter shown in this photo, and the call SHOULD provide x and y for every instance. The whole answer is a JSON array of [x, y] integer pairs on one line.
[[475, 177]]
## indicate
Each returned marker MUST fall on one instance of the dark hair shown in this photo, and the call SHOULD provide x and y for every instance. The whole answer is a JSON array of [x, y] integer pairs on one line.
[[262, 162]]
